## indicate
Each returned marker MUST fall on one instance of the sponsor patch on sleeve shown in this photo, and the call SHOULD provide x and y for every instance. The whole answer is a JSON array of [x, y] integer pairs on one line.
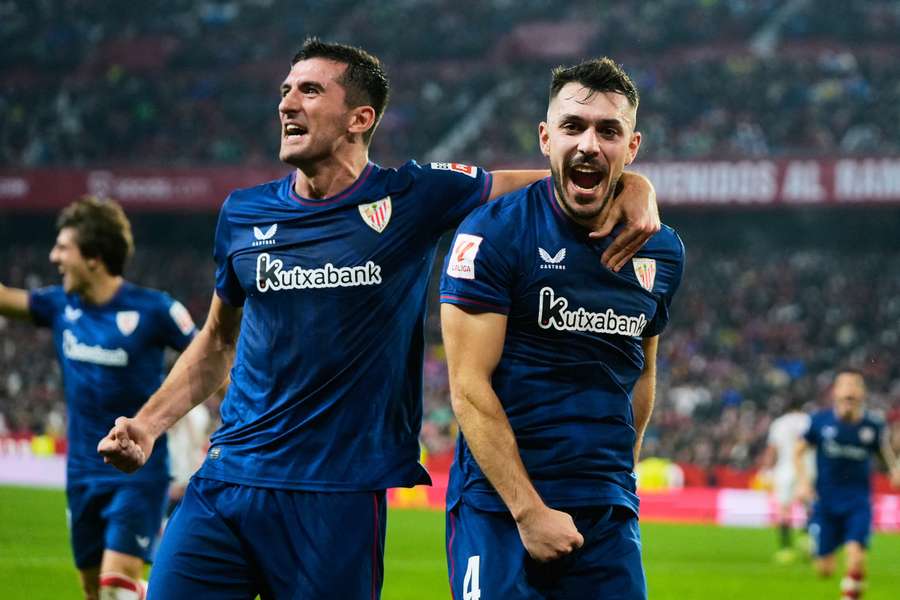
[[462, 258], [459, 168], [182, 318]]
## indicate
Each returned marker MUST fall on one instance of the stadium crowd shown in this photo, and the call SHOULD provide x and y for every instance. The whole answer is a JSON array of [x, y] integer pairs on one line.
[[756, 324], [186, 83]]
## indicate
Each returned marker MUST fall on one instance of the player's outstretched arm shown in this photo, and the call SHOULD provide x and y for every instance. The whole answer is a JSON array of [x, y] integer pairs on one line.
[[474, 344], [804, 491], [634, 206], [13, 302], [644, 395], [198, 373]]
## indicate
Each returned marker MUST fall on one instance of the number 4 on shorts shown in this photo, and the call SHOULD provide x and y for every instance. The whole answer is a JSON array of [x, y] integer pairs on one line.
[[471, 589]]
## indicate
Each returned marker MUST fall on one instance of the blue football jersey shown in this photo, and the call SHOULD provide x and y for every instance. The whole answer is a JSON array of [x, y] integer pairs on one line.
[[326, 387], [573, 348], [843, 457], [111, 357]]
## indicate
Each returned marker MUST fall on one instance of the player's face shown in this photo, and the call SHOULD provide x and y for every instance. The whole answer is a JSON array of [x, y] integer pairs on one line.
[[849, 393], [75, 269], [313, 112], [589, 137]]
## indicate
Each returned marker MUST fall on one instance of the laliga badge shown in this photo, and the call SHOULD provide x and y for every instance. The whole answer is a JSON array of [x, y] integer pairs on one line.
[[377, 215]]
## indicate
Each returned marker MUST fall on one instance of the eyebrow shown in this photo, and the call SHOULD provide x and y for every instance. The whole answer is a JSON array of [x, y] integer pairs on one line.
[[611, 122], [285, 85]]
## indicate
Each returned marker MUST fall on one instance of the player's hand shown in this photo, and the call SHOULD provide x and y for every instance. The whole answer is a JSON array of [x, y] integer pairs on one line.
[[638, 212], [549, 534], [804, 493], [127, 446]]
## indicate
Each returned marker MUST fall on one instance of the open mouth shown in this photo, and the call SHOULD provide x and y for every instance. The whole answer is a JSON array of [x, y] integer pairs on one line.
[[292, 130], [586, 177]]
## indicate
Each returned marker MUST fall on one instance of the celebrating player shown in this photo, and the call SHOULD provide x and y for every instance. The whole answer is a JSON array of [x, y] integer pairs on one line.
[[784, 433], [552, 364], [844, 439], [110, 336], [324, 273]]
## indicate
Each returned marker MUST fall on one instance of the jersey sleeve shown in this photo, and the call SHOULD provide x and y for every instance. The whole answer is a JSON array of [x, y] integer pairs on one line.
[[674, 270], [44, 304], [811, 435], [176, 325], [476, 274], [228, 288], [455, 190]]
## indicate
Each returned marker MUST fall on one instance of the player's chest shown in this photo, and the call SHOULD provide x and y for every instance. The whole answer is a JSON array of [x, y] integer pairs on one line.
[[564, 287], [111, 338], [348, 246]]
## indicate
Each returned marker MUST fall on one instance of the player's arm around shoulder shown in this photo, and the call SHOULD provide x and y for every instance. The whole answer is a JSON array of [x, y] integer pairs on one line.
[[14, 302], [474, 344], [200, 370]]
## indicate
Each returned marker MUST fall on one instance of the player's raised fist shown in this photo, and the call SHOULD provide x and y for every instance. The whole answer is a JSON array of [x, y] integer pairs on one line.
[[549, 534], [127, 446]]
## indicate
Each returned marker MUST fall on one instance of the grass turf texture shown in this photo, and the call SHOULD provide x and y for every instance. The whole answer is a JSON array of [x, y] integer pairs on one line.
[[683, 562]]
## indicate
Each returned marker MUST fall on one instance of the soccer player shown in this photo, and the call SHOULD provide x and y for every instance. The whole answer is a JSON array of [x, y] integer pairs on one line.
[[784, 433], [110, 338], [552, 364], [844, 437], [324, 275]]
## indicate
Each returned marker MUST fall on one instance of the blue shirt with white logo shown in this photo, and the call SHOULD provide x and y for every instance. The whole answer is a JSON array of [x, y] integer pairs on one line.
[[111, 357], [326, 387], [843, 457], [573, 348]]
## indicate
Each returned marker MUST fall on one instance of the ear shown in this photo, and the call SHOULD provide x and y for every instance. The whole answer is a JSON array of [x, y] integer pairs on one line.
[[362, 118], [633, 145], [544, 138]]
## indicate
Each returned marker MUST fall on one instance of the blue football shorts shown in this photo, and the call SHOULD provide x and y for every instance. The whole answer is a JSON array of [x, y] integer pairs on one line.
[[121, 516], [831, 528], [486, 558], [230, 541]]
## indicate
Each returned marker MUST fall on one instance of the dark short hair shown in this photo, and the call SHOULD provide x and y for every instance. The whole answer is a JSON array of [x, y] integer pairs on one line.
[[365, 79], [102, 231], [599, 75]]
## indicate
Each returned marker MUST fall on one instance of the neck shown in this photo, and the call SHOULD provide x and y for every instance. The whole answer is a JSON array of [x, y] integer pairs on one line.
[[102, 289], [329, 177]]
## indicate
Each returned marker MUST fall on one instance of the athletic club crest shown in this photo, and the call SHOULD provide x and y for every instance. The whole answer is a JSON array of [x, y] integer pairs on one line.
[[127, 321], [645, 271], [377, 214]]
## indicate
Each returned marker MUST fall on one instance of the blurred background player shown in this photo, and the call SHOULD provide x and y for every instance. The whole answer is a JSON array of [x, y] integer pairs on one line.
[[844, 437], [552, 364], [110, 337], [324, 274], [784, 433], [188, 443]]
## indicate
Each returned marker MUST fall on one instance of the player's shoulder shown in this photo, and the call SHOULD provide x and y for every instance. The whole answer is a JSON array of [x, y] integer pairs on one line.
[[136, 295], [664, 244], [874, 417], [250, 199], [508, 211]]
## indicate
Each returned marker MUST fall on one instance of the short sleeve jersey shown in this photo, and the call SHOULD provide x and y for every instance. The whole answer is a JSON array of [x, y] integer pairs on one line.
[[111, 357], [573, 349], [843, 457], [326, 387]]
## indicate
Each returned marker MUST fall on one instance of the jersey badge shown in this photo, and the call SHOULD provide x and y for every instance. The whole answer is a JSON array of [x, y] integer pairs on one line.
[[457, 167], [127, 321], [462, 257], [645, 271], [552, 262], [866, 435], [376, 215], [72, 314], [181, 317], [264, 238]]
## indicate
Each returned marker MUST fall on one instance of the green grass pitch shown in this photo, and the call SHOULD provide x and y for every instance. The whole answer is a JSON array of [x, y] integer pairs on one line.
[[683, 562]]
